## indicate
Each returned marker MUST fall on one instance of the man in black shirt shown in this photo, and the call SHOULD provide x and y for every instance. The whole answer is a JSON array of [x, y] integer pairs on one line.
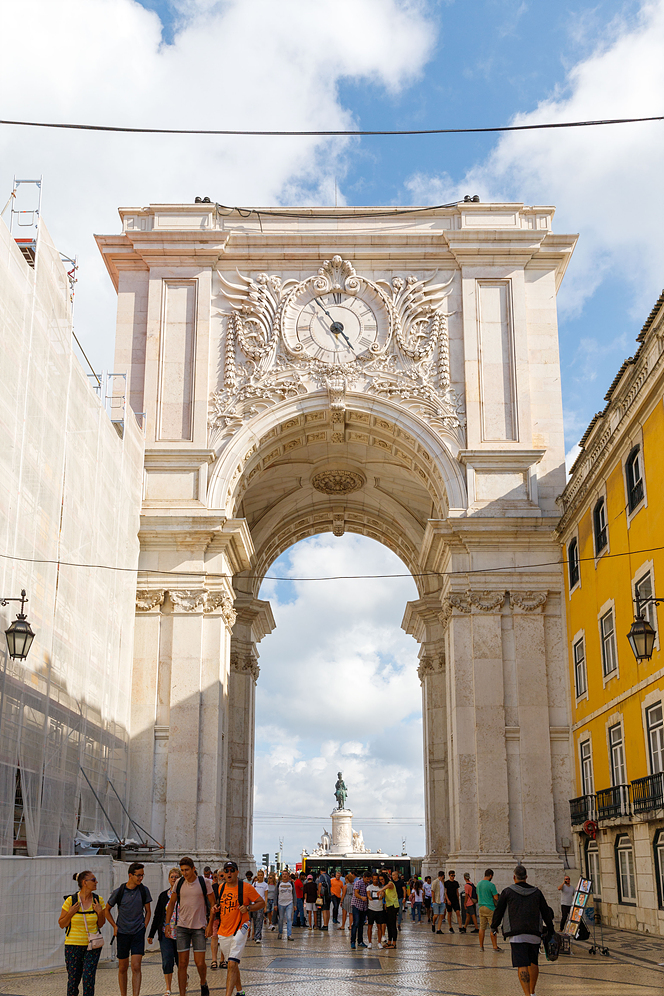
[[452, 902], [401, 892]]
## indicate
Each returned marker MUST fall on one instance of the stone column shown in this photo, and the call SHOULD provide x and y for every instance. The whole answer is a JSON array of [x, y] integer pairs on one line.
[[342, 831], [254, 621]]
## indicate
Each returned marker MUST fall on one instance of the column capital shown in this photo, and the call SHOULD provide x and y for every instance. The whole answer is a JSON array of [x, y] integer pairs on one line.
[[528, 601], [148, 599], [245, 663]]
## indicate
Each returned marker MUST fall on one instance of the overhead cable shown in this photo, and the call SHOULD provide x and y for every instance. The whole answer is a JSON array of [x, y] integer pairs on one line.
[[332, 133]]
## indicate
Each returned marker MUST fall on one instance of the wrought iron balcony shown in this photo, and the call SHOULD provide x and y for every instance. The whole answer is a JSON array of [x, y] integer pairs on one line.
[[614, 802], [582, 809], [648, 793]]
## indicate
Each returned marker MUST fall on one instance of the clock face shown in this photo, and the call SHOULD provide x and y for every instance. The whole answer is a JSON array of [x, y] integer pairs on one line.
[[335, 327]]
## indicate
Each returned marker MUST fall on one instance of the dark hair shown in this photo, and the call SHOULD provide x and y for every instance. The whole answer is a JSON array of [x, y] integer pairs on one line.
[[441, 873], [134, 867], [81, 877], [188, 862], [451, 873], [367, 874], [207, 870], [248, 875], [488, 871], [520, 873]]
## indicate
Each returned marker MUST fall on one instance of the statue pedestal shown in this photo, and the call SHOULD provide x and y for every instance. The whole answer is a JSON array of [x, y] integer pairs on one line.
[[342, 831]]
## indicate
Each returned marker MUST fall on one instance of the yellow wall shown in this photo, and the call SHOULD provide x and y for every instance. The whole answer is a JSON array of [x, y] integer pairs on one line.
[[611, 578]]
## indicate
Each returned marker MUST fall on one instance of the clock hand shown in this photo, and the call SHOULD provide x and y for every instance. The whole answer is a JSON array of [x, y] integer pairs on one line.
[[347, 340], [323, 309]]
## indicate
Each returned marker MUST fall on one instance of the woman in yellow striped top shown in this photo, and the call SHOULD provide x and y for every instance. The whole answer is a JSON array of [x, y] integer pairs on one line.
[[86, 911]]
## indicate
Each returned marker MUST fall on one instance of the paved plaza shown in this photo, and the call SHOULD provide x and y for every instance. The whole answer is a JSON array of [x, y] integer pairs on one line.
[[451, 965]]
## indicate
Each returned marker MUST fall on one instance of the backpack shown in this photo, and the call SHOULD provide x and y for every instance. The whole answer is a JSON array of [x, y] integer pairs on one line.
[[74, 899], [473, 892], [240, 897], [201, 881], [121, 892], [552, 945]]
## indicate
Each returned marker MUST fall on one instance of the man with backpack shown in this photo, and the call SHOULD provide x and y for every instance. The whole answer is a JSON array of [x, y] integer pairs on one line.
[[470, 903], [522, 908], [237, 900], [195, 898], [132, 899]]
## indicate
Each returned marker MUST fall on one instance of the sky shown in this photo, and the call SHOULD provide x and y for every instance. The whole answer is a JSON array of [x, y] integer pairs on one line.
[[344, 64]]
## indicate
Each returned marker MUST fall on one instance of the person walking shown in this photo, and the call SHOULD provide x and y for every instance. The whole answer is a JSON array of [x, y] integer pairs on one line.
[[416, 898], [260, 885], [324, 893], [427, 897], [286, 903], [81, 917], [310, 890], [336, 888], [452, 902], [566, 900], [346, 897], [487, 895], [375, 911], [389, 894], [271, 908], [438, 904], [469, 903], [166, 931], [523, 907], [195, 898], [400, 886], [298, 882], [237, 901], [359, 906], [214, 941], [133, 900]]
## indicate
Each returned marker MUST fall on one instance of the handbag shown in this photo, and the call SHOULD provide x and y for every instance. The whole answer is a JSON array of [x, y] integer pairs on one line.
[[95, 940]]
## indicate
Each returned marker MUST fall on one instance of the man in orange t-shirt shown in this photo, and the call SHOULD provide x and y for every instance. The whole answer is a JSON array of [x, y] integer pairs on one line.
[[336, 885], [233, 922]]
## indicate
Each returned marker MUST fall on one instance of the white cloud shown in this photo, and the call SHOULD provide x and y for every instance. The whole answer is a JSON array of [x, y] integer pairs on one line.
[[338, 690], [237, 64], [605, 181]]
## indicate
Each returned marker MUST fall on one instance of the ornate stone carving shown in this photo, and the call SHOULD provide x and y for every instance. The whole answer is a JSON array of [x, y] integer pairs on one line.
[[528, 601], [486, 601], [459, 601], [188, 599], [430, 665], [222, 600], [337, 482], [148, 599], [245, 664], [338, 524]]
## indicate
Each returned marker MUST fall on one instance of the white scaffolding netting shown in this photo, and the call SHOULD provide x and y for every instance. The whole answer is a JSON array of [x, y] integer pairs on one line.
[[69, 493]]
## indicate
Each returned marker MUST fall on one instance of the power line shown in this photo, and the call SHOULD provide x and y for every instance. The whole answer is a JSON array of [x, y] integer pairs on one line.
[[328, 577], [325, 134]]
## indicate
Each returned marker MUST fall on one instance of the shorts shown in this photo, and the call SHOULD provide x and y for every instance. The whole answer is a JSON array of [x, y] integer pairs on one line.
[[127, 944], [310, 907], [233, 945], [524, 955], [471, 910], [375, 916], [190, 936], [438, 909], [427, 902], [326, 900], [454, 905], [486, 916]]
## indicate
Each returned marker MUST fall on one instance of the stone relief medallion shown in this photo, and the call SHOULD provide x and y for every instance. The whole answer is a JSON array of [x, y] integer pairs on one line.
[[337, 482]]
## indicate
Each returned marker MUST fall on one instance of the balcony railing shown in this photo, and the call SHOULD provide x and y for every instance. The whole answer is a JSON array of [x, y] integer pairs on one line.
[[582, 809], [648, 793], [613, 802]]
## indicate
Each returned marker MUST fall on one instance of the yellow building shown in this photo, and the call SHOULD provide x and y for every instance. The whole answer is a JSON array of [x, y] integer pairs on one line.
[[612, 530]]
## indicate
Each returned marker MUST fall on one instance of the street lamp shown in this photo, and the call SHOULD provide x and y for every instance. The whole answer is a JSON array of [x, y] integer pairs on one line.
[[641, 635], [19, 634]]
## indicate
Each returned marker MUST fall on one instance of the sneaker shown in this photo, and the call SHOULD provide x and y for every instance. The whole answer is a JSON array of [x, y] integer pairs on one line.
[[278, 937], [257, 940], [362, 944], [475, 930], [451, 930], [433, 930], [439, 931], [462, 930], [289, 938], [205, 989], [352, 946]]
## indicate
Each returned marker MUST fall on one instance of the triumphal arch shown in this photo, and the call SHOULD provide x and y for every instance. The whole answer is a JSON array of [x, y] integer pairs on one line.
[[389, 372]]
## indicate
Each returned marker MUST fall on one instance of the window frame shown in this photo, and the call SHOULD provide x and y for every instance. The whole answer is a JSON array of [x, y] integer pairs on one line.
[[580, 666], [624, 845], [619, 745], [589, 759], [646, 572], [658, 861], [573, 560], [649, 729], [604, 613], [635, 497], [600, 506], [592, 847]]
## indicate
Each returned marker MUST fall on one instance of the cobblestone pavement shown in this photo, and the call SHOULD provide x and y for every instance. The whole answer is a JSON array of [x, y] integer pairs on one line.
[[452, 965]]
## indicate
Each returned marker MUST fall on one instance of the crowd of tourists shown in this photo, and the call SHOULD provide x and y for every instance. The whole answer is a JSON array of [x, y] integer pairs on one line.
[[230, 910]]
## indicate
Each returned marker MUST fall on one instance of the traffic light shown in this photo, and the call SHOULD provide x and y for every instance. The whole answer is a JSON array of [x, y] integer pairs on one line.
[[266, 860], [276, 859]]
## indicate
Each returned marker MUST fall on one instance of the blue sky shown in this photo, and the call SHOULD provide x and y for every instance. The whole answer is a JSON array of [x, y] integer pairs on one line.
[[316, 64]]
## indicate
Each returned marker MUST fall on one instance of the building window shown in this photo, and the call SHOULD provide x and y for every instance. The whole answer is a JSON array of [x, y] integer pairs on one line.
[[655, 727], [586, 768], [609, 651], [580, 678], [634, 475], [573, 562], [592, 866], [658, 848], [617, 748], [643, 590], [625, 870], [599, 526]]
